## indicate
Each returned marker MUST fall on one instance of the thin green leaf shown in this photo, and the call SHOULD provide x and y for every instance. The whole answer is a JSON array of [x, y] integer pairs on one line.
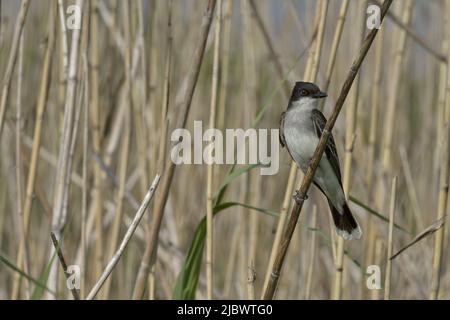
[[375, 213], [232, 175], [38, 290], [38, 283]]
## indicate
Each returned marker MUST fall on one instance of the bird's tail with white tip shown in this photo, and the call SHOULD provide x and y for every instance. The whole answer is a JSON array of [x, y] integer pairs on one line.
[[346, 225]]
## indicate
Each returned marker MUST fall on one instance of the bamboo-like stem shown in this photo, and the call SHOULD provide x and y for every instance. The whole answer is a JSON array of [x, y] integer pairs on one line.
[[32, 172], [63, 263], [58, 219], [209, 183], [12, 60], [387, 280], [394, 86], [350, 135], [126, 239], [149, 256], [312, 252], [307, 180]]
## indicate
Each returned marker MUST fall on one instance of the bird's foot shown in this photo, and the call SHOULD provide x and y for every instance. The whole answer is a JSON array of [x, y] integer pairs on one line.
[[299, 199], [310, 161]]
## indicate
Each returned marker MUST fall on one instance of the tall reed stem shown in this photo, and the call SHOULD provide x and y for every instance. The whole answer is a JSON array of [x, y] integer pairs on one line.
[[209, 183]]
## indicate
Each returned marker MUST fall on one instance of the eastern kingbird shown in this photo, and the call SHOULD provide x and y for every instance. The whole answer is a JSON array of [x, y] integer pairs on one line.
[[301, 127]]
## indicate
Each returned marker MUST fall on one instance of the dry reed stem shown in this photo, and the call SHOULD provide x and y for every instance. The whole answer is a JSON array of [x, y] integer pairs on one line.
[[149, 256], [387, 280], [12, 60], [312, 252], [307, 180], [209, 182], [126, 239]]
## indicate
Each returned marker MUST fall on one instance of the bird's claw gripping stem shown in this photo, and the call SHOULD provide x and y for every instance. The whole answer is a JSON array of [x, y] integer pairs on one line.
[[299, 198]]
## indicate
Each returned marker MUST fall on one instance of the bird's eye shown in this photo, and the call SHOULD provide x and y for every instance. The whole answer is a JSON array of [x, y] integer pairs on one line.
[[304, 92]]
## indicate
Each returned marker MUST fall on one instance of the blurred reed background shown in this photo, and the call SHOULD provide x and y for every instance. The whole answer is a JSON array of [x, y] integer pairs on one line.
[[86, 118]]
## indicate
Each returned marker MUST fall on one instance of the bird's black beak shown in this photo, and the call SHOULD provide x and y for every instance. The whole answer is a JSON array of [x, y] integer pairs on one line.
[[319, 95]]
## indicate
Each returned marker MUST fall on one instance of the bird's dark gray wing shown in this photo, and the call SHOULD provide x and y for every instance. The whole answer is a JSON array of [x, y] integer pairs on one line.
[[281, 131], [319, 122]]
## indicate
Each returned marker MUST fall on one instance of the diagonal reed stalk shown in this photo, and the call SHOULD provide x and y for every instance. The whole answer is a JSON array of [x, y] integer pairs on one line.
[[126, 239], [307, 180], [149, 257]]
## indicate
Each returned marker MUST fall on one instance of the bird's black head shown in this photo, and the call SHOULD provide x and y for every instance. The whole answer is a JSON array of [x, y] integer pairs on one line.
[[304, 90]]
